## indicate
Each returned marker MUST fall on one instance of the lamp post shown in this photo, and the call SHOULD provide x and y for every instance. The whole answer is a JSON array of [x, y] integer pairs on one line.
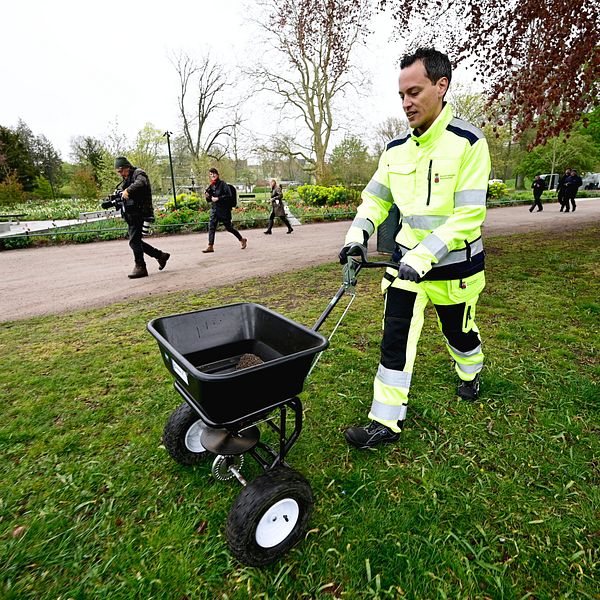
[[168, 135]]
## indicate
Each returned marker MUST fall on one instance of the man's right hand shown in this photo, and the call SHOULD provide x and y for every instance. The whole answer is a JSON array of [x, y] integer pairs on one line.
[[352, 249]]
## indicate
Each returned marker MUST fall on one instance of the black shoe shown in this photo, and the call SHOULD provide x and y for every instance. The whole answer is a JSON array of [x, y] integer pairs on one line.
[[469, 390], [531, 210], [370, 436], [138, 271], [268, 232], [162, 260], [289, 230]]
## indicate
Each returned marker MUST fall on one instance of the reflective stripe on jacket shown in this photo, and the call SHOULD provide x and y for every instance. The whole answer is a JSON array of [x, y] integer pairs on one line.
[[439, 182]]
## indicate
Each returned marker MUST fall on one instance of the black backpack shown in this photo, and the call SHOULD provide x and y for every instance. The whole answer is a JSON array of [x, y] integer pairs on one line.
[[232, 196]]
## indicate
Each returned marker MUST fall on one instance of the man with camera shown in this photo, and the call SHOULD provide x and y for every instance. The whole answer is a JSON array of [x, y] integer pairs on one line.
[[134, 199]]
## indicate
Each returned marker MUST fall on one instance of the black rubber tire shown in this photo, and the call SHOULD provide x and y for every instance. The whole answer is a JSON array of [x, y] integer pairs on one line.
[[182, 419], [280, 484]]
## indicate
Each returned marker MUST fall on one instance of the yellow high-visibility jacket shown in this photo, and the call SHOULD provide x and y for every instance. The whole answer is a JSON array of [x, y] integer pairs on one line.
[[439, 182]]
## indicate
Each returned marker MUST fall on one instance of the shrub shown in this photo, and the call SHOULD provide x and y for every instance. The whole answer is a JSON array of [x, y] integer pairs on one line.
[[258, 189], [191, 201], [318, 195], [497, 190], [11, 191]]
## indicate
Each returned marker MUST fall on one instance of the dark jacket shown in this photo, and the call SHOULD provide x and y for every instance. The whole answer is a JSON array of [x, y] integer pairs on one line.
[[277, 201], [538, 186], [223, 205], [572, 184], [137, 184]]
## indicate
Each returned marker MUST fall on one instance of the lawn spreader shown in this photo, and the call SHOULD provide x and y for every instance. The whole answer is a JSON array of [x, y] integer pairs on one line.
[[237, 367]]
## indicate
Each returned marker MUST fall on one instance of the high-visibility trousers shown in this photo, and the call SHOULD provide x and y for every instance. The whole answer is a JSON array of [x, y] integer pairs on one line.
[[405, 301]]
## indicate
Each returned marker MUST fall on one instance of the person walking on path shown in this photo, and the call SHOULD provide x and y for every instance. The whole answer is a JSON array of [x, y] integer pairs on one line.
[[538, 186], [561, 189], [572, 184], [437, 175], [278, 208], [219, 195], [136, 208]]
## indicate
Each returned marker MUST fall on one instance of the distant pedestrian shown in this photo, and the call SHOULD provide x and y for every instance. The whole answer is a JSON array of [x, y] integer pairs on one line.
[[219, 197], [538, 186], [560, 190], [278, 208], [572, 184]]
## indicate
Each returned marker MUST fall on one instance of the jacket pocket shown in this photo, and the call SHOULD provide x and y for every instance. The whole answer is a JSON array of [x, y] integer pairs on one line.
[[402, 178]]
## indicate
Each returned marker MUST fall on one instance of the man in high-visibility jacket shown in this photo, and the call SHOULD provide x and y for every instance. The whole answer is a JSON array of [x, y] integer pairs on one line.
[[437, 175]]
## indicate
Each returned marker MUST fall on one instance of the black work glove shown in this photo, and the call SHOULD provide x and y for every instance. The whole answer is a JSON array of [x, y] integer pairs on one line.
[[353, 249], [408, 273]]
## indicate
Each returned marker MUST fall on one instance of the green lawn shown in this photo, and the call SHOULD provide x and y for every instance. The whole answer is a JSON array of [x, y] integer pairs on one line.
[[497, 499]]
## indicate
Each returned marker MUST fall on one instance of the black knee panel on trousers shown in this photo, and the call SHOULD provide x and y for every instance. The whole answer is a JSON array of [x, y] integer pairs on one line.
[[399, 308], [453, 319]]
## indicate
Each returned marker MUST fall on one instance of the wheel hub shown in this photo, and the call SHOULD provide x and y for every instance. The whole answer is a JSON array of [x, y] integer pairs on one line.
[[193, 437], [277, 523]]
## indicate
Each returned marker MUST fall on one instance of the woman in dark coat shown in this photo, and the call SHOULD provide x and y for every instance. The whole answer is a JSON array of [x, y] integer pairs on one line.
[[278, 209]]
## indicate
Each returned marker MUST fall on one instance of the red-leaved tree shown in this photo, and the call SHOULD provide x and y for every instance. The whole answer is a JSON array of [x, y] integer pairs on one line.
[[538, 59]]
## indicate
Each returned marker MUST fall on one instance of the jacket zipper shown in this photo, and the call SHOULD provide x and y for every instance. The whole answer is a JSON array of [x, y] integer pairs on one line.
[[429, 182]]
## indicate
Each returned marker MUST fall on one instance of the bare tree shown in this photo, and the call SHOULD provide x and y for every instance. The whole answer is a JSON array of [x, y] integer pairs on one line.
[[201, 105], [314, 39], [389, 129], [541, 55]]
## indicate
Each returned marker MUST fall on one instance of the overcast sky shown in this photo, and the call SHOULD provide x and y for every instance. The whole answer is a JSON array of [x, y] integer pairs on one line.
[[75, 68]]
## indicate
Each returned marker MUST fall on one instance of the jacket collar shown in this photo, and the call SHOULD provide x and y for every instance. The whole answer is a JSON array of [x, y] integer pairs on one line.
[[437, 127]]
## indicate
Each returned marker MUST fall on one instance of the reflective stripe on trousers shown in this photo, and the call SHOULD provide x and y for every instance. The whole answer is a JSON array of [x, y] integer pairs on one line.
[[403, 322]]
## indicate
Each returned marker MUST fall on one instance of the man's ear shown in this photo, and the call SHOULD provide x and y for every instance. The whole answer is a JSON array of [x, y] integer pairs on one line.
[[442, 86]]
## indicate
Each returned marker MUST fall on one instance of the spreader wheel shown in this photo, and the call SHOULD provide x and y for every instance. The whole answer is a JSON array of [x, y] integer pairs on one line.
[[182, 434], [269, 516]]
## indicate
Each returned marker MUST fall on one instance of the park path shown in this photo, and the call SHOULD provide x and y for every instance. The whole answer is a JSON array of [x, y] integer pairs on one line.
[[62, 279]]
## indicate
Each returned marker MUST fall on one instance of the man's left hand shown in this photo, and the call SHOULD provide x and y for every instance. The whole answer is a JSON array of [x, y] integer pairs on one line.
[[408, 273], [125, 194]]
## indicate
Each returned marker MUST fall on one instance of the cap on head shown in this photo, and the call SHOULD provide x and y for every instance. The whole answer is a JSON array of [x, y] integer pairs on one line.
[[121, 161]]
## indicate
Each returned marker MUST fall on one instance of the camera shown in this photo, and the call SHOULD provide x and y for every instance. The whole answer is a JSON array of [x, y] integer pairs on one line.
[[113, 201]]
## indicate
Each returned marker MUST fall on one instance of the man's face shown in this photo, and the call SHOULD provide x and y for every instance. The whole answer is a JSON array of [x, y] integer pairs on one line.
[[123, 172], [213, 177], [421, 99]]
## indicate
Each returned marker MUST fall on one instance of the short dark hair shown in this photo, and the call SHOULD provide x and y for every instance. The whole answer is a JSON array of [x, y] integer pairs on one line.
[[213, 170], [437, 64]]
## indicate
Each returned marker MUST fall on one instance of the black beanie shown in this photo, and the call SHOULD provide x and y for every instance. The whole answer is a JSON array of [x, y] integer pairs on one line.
[[121, 161]]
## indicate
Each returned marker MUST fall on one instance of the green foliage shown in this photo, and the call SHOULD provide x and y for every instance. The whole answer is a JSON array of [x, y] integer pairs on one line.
[[494, 499], [350, 162], [191, 201], [15, 158], [178, 220], [11, 190], [261, 189], [497, 190], [84, 184], [42, 188], [577, 151], [319, 195]]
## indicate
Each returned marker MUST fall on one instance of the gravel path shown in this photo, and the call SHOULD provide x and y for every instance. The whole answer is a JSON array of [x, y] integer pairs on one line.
[[59, 279]]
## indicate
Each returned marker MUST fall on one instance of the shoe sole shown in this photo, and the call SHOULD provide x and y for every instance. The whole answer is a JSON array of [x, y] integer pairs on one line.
[[366, 446]]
